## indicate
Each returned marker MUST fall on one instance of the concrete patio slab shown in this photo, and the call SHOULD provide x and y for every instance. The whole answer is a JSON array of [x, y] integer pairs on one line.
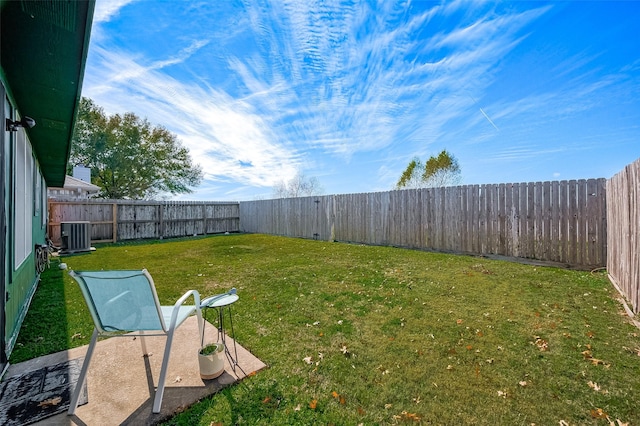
[[121, 380]]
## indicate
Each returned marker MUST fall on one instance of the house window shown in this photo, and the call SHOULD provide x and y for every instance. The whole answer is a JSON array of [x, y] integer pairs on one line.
[[43, 196], [37, 197], [23, 197]]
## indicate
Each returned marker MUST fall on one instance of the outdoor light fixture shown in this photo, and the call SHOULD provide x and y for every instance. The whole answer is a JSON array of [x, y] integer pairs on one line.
[[12, 126]]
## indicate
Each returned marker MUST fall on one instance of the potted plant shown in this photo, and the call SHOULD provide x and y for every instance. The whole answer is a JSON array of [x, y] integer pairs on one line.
[[211, 360]]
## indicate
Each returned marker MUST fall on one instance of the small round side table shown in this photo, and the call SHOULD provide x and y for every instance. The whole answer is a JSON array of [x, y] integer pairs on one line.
[[220, 302]]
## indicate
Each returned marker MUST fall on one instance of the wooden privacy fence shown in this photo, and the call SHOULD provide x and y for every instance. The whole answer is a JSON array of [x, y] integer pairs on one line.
[[623, 219], [562, 221], [117, 220]]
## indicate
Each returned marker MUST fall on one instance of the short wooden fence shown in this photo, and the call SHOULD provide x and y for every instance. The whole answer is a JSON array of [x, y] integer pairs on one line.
[[118, 220]]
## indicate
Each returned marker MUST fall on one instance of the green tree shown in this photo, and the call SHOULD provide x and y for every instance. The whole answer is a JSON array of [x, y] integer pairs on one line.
[[129, 157], [442, 170]]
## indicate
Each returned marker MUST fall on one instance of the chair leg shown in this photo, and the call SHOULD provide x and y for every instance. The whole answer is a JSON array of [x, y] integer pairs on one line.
[[83, 373], [200, 325], [157, 401]]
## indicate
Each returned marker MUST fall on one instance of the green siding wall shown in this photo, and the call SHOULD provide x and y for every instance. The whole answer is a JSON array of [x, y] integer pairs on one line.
[[23, 286]]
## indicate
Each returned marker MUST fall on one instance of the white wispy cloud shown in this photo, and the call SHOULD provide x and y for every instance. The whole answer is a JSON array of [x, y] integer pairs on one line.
[[224, 135], [371, 92], [339, 78], [106, 9]]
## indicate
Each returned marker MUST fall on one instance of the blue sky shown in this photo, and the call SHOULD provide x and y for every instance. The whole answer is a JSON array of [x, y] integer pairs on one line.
[[349, 91]]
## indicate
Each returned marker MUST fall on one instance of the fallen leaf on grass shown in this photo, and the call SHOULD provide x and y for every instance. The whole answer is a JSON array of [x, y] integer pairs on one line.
[[523, 383], [266, 400], [459, 321], [598, 413], [297, 408], [406, 416], [308, 360], [50, 402], [594, 386], [313, 404], [595, 361], [502, 394], [563, 423], [387, 406], [618, 421], [542, 344], [345, 351], [335, 394], [361, 411]]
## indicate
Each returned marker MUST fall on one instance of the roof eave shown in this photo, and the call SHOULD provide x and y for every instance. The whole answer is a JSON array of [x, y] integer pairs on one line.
[[44, 51]]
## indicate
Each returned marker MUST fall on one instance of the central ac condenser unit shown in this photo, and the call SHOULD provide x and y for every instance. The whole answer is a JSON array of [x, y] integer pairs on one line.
[[76, 236]]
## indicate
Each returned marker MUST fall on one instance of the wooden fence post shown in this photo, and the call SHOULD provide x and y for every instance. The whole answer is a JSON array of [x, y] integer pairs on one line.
[[115, 222]]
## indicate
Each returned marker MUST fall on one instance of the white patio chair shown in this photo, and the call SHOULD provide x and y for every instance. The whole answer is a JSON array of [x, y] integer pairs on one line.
[[125, 303]]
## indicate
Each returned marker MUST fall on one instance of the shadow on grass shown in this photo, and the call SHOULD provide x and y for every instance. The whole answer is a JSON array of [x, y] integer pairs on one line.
[[245, 403], [45, 329]]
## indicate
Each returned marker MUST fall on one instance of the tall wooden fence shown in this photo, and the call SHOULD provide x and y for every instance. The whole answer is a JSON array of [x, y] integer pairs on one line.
[[584, 223], [562, 221], [623, 219], [117, 220]]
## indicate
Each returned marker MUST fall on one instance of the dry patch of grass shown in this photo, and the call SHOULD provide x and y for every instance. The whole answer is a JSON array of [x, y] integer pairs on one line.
[[377, 335]]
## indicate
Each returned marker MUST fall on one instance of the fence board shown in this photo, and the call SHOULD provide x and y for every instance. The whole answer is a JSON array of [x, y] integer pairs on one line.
[[554, 205], [623, 232], [545, 200]]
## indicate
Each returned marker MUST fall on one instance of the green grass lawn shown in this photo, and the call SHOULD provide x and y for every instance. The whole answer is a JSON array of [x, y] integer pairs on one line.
[[377, 335]]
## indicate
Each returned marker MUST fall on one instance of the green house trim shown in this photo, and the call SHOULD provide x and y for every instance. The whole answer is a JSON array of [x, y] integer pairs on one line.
[[43, 51]]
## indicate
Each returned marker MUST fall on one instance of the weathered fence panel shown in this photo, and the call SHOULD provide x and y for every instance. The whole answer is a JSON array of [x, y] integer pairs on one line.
[[623, 240], [118, 220], [561, 222]]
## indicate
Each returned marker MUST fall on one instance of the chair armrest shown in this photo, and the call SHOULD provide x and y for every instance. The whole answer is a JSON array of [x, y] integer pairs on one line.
[[180, 302]]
